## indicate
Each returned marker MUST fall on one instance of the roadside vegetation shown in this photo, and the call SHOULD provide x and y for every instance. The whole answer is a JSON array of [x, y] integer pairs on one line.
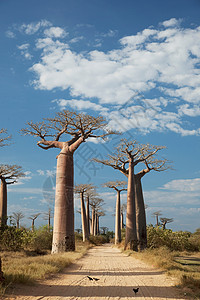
[[26, 256], [177, 253]]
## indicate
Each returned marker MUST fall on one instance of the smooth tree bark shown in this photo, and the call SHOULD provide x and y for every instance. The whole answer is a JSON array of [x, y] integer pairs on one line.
[[78, 127], [151, 164], [118, 186], [48, 217], [96, 204], [82, 189], [123, 209], [8, 175]]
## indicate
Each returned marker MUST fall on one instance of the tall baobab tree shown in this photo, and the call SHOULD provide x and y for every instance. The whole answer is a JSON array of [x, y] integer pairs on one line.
[[90, 193], [48, 216], [122, 211], [118, 186], [8, 175], [17, 216], [127, 155], [4, 137], [77, 127], [33, 218], [165, 221], [96, 203], [157, 214], [82, 189], [151, 163]]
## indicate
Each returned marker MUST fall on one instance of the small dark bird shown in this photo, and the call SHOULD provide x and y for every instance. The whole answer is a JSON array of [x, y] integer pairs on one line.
[[136, 290], [96, 279], [90, 278]]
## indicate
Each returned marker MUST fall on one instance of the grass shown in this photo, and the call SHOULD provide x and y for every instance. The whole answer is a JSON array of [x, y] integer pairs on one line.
[[20, 267], [184, 266]]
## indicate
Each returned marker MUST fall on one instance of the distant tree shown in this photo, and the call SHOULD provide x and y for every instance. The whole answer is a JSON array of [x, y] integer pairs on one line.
[[48, 216], [98, 213], [78, 127], [118, 186], [4, 137], [96, 204], [33, 218], [123, 209], [165, 221], [17, 216], [8, 175], [90, 193], [157, 214], [104, 229], [81, 189]]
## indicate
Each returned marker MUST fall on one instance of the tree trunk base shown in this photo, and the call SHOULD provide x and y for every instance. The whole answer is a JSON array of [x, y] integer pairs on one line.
[[131, 245], [67, 245]]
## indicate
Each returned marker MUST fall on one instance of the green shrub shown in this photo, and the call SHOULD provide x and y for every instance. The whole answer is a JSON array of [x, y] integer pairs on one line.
[[99, 239], [178, 241], [11, 238]]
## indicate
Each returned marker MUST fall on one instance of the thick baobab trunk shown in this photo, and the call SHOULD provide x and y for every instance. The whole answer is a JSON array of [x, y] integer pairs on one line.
[[131, 235], [97, 226], [88, 214], [93, 220], [95, 223], [122, 220], [63, 230], [117, 220], [3, 203], [84, 220], [140, 214]]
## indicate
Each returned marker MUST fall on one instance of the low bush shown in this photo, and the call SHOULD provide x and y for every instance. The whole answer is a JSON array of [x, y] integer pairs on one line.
[[178, 241]]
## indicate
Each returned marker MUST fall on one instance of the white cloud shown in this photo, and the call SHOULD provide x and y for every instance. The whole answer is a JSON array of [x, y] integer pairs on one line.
[[24, 50], [33, 27], [55, 32], [41, 172], [183, 185], [189, 111], [10, 34], [172, 22], [146, 62], [79, 104]]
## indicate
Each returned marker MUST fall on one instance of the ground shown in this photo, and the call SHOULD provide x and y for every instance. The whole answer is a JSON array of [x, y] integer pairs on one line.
[[118, 274]]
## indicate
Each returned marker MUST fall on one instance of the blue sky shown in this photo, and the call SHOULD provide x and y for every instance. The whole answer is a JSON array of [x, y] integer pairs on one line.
[[136, 63]]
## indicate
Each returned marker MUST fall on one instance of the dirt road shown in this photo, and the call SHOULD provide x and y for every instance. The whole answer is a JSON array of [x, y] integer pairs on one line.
[[118, 274]]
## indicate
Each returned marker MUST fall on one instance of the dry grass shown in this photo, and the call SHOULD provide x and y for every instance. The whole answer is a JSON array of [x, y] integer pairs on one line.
[[183, 266], [19, 267]]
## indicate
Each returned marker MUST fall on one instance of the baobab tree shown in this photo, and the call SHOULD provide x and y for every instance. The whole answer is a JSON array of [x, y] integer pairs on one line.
[[122, 211], [33, 218], [164, 221], [96, 204], [78, 127], [157, 214], [90, 193], [118, 186], [4, 137], [82, 189], [17, 216], [127, 155], [48, 216], [8, 175]]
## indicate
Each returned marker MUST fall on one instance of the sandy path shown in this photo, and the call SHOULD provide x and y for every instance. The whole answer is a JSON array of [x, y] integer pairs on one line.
[[118, 274]]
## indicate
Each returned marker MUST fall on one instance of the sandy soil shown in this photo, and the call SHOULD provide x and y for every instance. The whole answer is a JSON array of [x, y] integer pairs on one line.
[[118, 274]]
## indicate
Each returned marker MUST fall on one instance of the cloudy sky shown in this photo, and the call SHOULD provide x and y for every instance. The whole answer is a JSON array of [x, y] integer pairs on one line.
[[136, 63]]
